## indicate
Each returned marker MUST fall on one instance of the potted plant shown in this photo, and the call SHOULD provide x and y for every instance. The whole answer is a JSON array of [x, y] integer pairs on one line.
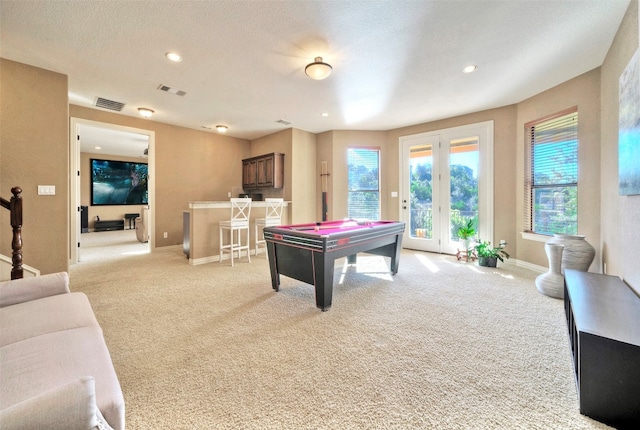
[[488, 255], [466, 233]]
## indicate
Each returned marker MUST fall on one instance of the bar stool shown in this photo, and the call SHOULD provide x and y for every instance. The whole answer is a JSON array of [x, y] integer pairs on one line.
[[273, 217], [240, 211]]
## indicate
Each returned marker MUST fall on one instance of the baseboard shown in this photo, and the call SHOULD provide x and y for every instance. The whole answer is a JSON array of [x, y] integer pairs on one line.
[[530, 266], [216, 258]]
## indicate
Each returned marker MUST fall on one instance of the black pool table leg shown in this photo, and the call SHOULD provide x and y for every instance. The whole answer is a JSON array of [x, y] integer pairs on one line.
[[395, 255], [352, 259], [323, 279], [273, 266]]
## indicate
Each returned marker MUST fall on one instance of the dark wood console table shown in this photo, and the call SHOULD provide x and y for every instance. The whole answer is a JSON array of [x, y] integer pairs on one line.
[[108, 225], [603, 318]]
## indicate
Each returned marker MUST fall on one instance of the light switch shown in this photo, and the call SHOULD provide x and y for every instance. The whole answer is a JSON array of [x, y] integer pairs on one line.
[[394, 194], [46, 190]]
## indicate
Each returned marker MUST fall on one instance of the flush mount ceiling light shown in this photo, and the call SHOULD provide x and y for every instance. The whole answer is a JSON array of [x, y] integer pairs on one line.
[[470, 69], [318, 70], [221, 128], [173, 56], [145, 112]]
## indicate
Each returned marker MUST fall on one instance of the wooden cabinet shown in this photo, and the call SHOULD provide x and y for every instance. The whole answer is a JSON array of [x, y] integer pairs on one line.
[[264, 171], [249, 174], [603, 318]]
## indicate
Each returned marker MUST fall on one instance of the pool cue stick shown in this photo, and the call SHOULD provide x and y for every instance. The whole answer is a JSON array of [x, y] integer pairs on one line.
[[324, 175]]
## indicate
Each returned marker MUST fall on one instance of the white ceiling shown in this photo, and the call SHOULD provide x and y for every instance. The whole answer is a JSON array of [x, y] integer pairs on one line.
[[99, 140], [395, 63]]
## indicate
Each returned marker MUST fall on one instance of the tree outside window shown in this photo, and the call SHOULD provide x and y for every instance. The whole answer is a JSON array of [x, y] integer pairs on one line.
[[551, 182], [364, 183]]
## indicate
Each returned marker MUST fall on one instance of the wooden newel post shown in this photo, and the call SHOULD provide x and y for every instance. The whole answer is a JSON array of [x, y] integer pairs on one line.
[[15, 207]]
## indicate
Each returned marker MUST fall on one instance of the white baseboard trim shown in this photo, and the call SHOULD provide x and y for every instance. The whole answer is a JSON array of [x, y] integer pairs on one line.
[[203, 260], [530, 266], [216, 258]]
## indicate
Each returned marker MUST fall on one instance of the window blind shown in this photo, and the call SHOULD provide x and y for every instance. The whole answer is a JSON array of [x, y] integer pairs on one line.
[[551, 174], [364, 183]]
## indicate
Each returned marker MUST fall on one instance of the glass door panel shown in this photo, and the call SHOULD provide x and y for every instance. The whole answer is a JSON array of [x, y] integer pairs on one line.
[[421, 185], [464, 160], [420, 191]]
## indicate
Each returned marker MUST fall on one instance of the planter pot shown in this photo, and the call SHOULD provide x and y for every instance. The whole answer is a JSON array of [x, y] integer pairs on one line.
[[552, 283], [578, 254], [464, 244], [488, 261]]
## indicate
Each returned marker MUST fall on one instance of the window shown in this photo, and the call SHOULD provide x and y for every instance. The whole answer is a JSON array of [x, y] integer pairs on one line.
[[551, 174], [364, 183]]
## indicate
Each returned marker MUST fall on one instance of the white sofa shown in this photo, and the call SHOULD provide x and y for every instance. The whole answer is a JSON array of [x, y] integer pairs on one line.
[[55, 368]]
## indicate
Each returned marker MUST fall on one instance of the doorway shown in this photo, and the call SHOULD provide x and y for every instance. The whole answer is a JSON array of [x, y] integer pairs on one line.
[[129, 142], [446, 179]]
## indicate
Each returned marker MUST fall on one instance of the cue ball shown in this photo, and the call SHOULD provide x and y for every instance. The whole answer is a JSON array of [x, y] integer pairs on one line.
[[317, 228]]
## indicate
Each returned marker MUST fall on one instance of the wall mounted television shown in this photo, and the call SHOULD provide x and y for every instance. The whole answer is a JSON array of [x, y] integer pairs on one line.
[[118, 183]]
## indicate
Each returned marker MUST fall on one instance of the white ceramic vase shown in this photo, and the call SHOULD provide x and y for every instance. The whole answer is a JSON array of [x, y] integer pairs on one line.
[[578, 254], [551, 283]]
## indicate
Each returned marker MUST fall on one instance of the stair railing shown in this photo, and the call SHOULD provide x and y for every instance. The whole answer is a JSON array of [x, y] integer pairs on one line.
[[14, 205]]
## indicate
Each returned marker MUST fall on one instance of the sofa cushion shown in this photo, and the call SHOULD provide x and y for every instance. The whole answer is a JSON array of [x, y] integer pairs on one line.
[[70, 406], [36, 365], [25, 289], [46, 315]]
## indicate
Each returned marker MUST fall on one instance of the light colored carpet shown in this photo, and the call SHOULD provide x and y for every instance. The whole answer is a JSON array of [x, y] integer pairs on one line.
[[440, 345], [99, 247]]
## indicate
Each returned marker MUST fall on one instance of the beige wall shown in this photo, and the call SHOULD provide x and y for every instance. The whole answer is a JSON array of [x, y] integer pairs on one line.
[[504, 160], [619, 215], [583, 92], [34, 142], [324, 152], [333, 148], [104, 212], [299, 149], [190, 165], [276, 142], [304, 178]]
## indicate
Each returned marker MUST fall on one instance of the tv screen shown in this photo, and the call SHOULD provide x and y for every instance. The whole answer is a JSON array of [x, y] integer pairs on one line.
[[118, 183]]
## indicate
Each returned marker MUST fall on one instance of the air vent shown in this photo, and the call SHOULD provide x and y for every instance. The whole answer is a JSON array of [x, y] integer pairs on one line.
[[108, 104], [283, 122], [168, 89]]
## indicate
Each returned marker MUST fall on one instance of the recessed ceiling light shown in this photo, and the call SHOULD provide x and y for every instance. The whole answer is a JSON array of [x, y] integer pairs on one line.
[[98, 147], [221, 128], [470, 69], [325, 114], [173, 57]]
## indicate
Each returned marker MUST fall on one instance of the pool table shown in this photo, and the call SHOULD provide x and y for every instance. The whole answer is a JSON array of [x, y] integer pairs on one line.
[[307, 252]]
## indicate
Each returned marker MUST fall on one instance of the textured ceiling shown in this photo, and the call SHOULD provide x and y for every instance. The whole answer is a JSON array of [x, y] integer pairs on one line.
[[395, 63]]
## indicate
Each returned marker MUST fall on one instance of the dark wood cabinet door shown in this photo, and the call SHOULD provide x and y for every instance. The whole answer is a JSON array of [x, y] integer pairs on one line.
[[265, 172], [249, 174]]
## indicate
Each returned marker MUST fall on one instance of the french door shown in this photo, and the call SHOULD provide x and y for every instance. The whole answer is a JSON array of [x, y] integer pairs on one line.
[[446, 180]]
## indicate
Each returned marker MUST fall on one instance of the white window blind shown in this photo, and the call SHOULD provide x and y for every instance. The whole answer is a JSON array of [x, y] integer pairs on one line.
[[364, 183], [551, 174]]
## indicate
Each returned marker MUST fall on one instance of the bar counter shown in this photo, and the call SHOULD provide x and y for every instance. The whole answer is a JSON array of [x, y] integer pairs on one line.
[[201, 241]]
